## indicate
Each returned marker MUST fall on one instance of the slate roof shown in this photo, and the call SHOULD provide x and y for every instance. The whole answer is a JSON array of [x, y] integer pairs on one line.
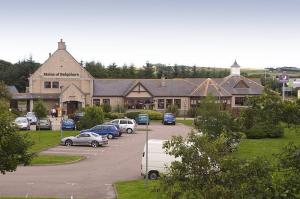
[[12, 90], [179, 87], [26, 96]]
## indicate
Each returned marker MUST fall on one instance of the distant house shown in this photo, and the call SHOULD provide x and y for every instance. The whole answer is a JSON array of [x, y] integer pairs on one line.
[[62, 82]]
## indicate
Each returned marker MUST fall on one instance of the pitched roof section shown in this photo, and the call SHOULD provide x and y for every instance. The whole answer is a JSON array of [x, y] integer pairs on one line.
[[179, 87], [230, 82], [209, 86]]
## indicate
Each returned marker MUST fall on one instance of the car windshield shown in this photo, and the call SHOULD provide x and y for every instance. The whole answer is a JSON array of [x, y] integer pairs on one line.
[[68, 121], [30, 114], [44, 121], [21, 120]]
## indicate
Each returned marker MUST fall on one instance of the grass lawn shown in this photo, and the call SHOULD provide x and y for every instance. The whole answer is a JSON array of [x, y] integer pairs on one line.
[[23, 198], [54, 159], [186, 122], [45, 139], [251, 148], [136, 189]]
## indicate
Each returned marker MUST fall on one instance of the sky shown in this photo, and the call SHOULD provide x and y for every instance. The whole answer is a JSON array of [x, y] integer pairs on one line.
[[213, 33]]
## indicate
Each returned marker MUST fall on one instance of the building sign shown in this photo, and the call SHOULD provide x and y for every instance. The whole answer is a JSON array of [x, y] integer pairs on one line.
[[64, 74]]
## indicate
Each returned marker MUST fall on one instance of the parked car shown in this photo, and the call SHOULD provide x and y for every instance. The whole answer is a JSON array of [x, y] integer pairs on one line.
[[169, 118], [143, 119], [111, 131], [127, 125], [44, 124], [88, 138], [78, 116], [31, 117], [68, 124], [121, 130], [22, 123]]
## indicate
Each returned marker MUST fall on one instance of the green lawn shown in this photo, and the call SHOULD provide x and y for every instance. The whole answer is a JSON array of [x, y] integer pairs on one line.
[[46, 139], [136, 189], [251, 148], [23, 198], [186, 122], [54, 159]]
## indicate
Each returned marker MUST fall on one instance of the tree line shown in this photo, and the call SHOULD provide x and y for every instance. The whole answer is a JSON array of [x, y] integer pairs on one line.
[[18, 73]]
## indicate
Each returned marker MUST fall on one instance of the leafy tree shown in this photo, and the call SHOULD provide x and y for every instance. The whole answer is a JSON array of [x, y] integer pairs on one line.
[[4, 93], [40, 109], [106, 108], [290, 113], [203, 169], [173, 109], [13, 145], [93, 115]]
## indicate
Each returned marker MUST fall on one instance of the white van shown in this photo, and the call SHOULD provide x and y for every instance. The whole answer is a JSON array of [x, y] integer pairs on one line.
[[158, 160]]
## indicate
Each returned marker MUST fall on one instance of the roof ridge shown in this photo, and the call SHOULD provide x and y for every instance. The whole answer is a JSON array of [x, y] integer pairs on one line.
[[198, 87]]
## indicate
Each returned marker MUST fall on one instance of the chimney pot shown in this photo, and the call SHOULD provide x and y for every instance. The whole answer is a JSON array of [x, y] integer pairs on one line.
[[49, 55]]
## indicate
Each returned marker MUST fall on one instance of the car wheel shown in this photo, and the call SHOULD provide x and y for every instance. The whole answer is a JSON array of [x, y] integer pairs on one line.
[[174, 123], [94, 144], [129, 131], [68, 143], [153, 175], [110, 136]]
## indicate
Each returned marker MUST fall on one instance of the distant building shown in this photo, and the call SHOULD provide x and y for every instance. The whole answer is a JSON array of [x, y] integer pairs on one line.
[[63, 82]]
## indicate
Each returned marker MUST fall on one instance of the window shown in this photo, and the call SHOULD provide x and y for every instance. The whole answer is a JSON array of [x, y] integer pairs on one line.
[[240, 101], [96, 102], [123, 122], [47, 84], [169, 102], [177, 102], [55, 84], [160, 103], [106, 101]]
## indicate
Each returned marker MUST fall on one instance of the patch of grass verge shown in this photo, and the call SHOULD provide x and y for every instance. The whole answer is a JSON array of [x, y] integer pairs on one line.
[[136, 189], [54, 159], [186, 122]]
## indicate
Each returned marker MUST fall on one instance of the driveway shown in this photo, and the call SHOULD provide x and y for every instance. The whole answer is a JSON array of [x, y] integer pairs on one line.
[[91, 178]]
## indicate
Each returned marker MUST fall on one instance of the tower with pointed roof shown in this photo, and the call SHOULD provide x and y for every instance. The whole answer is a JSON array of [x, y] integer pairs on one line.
[[235, 69]]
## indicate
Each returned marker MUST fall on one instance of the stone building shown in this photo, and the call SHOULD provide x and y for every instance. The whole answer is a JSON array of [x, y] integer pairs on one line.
[[63, 82]]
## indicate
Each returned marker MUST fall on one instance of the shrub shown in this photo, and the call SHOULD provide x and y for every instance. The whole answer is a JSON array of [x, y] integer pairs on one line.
[[192, 112], [275, 132], [114, 115], [153, 115], [39, 109], [173, 109], [119, 109], [106, 108], [93, 115], [258, 131], [132, 115]]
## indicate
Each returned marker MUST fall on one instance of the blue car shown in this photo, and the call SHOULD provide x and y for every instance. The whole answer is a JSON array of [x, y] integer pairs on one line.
[[169, 118], [111, 131], [142, 119], [68, 124]]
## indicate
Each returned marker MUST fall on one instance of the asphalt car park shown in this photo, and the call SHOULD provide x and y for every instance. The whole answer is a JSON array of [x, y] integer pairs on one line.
[[91, 178]]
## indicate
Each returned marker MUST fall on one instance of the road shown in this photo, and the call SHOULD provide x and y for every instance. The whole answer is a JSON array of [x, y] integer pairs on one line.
[[90, 178]]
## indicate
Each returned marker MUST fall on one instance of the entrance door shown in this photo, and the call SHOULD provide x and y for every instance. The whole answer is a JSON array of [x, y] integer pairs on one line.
[[72, 106]]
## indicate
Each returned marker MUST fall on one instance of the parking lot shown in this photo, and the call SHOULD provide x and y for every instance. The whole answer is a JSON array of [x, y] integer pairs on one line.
[[92, 177]]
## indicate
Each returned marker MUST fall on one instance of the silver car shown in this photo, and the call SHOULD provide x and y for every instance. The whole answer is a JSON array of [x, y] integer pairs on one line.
[[31, 117], [87, 138], [126, 125], [22, 123]]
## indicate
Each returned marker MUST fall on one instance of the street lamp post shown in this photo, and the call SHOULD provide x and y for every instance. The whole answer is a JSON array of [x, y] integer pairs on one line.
[[146, 177]]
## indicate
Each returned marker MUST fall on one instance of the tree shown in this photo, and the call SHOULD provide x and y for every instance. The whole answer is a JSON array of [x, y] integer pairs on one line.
[[93, 115], [40, 109], [4, 93], [204, 170], [13, 145]]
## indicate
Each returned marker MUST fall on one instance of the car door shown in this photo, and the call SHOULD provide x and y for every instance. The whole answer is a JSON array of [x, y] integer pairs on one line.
[[123, 124], [83, 139]]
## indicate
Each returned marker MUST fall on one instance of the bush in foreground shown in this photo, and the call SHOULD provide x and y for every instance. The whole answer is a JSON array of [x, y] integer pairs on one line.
[[93, 115]]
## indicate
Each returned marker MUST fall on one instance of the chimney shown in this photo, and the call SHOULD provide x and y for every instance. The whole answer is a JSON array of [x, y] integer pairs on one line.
[[163, 81], [61, 45], [49, 55]]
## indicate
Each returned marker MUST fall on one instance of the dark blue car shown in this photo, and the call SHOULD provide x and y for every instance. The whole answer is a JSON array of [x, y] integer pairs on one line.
[[68, 124], [110, 130], [169, 118]]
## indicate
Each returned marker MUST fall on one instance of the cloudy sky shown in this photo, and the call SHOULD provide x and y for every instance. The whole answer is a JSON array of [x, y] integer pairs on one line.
[[258, 33]]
